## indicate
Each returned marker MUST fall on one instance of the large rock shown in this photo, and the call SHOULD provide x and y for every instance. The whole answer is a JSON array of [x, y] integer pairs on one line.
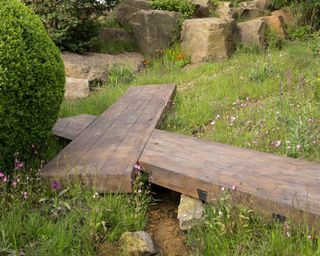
[[203, 8], [225, 11], [116, 35], [190, 211], [286, 14], [207, 39], [259, 4], [154, 30], [252, 32], [76, 88], [127, 8], [137, 244], [249, 13], [277, 24], [94, 67]]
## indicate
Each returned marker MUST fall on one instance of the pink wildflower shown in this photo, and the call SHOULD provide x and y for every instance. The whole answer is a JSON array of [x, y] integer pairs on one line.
[[55, 185]]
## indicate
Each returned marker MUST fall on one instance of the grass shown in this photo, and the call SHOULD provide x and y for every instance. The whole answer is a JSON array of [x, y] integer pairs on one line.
[[260, 100], [37, 219], [266, 101]]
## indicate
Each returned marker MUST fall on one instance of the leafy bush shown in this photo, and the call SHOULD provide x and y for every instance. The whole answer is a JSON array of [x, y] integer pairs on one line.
[[31, 82], [186, 7], [72, 25]]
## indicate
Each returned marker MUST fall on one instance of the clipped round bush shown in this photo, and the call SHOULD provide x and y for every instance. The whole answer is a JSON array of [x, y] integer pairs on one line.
[[32, 82]]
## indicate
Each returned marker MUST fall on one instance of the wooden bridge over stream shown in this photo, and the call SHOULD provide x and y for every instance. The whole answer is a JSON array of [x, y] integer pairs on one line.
[[104, 150]]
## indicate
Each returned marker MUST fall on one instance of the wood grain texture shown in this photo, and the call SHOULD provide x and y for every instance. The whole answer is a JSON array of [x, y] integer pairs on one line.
[[70, 127], [264, 181], [104, 153]]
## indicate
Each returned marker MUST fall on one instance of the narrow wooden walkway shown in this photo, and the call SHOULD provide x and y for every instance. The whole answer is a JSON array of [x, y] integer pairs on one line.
[[199, 168], [105, 149], [105, 152]]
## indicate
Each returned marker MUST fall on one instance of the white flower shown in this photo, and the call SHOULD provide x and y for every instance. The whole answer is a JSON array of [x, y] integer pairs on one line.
[[213, 123]]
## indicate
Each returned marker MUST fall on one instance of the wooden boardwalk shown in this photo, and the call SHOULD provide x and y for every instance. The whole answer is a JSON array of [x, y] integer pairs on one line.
[[105, 152], [199, 168], [105, 149]]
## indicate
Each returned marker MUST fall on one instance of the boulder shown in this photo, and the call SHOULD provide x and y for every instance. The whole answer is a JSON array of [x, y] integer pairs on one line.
[[252, 32], [203, 8], [76, 88], [137, 244], [95, 66], [277, 24], [249, 13], [126, 8], [225, 11], [155, 30], [286, 14], [259, 4], [190, 211], [114, 35], [207, 39]]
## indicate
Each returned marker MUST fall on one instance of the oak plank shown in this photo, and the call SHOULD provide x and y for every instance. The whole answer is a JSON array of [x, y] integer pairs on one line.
[[276, 184], [105, 152]]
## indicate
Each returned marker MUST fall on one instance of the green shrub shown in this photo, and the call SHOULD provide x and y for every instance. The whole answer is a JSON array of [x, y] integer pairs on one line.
[[72, 25], [31, 82], [186, 7]]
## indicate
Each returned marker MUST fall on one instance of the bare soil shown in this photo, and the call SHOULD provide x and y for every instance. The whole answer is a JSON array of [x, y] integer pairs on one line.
[[163, 224]]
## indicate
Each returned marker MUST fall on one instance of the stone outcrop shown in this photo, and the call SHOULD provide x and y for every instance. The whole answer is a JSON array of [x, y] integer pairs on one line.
[[207, 39], [248, 13], [76, 88], [203, 8], [127, 8], [154, 30], [225, 11], [189, 211], [115, 35], [277, 24], [137, 244], [85, 72], [95, 66], [286, 14], [259, 4], [252, 32]]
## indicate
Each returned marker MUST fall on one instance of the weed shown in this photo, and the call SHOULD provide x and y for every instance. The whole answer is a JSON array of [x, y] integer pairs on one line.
[[119, 74]]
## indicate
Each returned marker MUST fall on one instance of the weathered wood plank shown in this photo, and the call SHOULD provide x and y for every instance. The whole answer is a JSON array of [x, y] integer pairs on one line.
[[71, 127], [105, 152], [265, 181]]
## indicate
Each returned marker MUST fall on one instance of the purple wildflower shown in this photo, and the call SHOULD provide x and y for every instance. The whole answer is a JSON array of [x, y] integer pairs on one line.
[[14, 183], [55, 185], [18, 165], [2, 175]]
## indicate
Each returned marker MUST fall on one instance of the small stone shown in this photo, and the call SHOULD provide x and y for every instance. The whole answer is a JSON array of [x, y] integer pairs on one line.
[[137, 244], [189, 211], [76, 88]]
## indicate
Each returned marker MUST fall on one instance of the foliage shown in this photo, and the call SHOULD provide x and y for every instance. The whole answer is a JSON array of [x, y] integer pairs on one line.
[[186, 7], [31, 84], [72, 25], [63, 219], [308, 11], [119, 74], [273, 39], [233, 229]]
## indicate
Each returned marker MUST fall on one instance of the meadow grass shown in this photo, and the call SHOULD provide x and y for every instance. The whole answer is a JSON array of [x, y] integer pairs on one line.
[[260, 100], [63, 219], [267, 101]]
